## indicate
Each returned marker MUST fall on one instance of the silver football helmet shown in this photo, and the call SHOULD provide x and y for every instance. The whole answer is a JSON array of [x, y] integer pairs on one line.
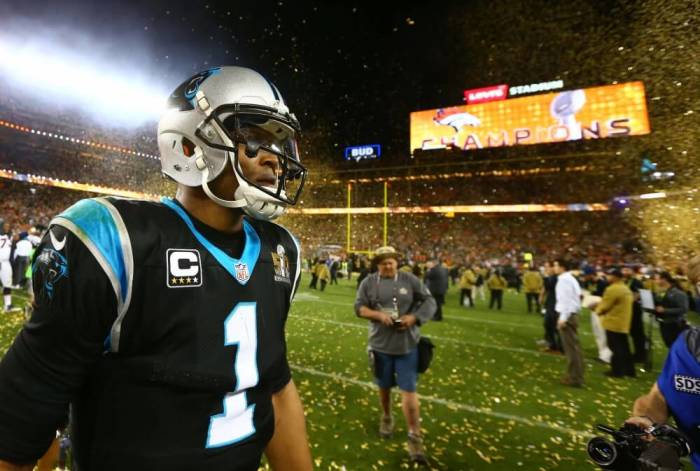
[[210, 115]]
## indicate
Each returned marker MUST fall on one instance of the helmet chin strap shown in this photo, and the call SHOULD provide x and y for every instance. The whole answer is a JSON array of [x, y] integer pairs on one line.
[[239, 203], [204, 168]]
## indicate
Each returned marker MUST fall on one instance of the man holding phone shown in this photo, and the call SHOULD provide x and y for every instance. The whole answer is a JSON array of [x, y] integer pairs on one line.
[[396, 303]]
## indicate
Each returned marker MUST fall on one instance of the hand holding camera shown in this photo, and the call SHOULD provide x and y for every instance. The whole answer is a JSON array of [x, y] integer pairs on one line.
[[637, 446], [406, 321]]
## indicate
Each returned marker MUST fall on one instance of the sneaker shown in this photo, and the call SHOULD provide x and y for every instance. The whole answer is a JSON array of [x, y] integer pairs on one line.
[[386, 426], [415, 449], [12, 308]]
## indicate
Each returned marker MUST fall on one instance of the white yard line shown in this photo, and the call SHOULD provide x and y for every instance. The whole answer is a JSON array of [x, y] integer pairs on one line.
[[308, 299], [436, 337], [448, 403]]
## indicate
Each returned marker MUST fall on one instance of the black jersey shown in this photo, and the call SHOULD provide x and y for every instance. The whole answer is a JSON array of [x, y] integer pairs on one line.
[[165, 336]]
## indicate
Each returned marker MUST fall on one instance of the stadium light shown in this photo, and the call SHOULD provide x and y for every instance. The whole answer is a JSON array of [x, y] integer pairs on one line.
[[62, 76], [652, 196], [71, 185], [122, 150]]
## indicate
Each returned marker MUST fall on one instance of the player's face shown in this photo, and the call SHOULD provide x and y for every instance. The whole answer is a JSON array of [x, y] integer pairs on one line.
[[263, 169], [387, 267]]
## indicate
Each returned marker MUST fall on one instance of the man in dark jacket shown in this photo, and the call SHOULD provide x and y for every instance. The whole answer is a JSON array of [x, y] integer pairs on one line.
[[437, 282], [639, 338], [549, 299], [672, 309]]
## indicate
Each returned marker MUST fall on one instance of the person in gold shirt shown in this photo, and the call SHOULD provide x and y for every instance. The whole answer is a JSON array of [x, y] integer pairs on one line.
[[615, 311], [466, 283], [323, 273], [496, 285], [533, 285]]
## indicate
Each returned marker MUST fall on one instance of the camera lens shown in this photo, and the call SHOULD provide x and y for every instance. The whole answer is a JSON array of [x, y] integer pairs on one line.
[[602, 451]]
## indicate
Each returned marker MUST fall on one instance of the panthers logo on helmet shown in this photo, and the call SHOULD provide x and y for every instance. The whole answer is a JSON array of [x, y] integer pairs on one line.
[[181, 98]]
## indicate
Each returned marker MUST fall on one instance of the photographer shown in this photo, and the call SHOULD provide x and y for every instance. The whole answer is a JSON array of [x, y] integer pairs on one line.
[[396, 303], [677, 389]]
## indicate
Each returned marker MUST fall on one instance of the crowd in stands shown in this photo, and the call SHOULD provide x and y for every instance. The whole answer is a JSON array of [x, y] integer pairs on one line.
[[23, 206], [550, 189], [53, 158], [498, 238]]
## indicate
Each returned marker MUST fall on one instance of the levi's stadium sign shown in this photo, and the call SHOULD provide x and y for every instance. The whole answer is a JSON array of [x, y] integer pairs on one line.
[[536, 87], [486, 94], [586, 113], [501, 92]]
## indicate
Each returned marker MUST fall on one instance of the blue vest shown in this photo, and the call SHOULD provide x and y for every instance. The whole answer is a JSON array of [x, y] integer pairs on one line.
[[679, 382]]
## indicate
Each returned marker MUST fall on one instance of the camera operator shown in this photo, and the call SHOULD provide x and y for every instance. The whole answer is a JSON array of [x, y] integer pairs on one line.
[[677, 389], [396, 303]]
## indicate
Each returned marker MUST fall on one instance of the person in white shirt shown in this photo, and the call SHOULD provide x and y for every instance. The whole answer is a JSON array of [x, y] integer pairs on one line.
[[6, 266], [23, 253], [568, 295]]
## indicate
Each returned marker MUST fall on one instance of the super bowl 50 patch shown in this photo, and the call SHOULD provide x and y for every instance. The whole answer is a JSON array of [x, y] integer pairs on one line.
[[280, 261]]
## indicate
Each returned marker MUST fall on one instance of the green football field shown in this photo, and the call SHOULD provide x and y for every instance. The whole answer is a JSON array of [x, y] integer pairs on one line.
[[491, 400]]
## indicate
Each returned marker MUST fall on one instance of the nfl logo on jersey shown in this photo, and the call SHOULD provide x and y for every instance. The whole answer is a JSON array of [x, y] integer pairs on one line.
[[184, 268], [242, 274]]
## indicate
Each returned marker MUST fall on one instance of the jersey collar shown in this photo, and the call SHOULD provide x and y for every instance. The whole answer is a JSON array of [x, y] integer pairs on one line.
[[240, 269]]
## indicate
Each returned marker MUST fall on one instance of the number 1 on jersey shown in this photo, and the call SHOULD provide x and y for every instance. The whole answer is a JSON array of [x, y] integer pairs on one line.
[[236, 422]]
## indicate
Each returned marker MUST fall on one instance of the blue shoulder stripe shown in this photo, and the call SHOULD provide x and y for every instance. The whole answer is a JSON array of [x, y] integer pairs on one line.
[[98, 224]]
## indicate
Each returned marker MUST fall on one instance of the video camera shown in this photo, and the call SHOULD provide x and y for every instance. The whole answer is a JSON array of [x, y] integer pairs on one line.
[[658, 448]]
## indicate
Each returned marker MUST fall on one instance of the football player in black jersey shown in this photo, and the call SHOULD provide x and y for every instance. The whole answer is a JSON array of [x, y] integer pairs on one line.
[[162, 324]]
